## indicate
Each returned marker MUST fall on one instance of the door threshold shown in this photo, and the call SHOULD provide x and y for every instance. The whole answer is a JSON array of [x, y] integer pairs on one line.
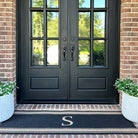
[[69, 102]]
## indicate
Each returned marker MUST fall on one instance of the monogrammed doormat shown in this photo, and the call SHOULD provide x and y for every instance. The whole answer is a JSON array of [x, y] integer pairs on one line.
[[68, 123]]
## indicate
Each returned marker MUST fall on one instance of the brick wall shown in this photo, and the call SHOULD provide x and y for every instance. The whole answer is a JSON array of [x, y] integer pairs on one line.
[[8, 40], [129, 39]]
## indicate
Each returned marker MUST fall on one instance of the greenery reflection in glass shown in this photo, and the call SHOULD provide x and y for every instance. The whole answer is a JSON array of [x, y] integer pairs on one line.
[[38, 52], [99, 3], [99, 24], [52, 52], [37, 24], [84, 52], [37, 3], [84, 24], [99, 53], [52, 24], [52, 3], [84, 3]]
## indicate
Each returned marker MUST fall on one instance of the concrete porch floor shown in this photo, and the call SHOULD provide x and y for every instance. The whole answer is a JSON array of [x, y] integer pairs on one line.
[[69, 107]]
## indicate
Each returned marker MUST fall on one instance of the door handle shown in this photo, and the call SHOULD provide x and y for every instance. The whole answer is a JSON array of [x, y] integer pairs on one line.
[[64, 53], [72, 53]]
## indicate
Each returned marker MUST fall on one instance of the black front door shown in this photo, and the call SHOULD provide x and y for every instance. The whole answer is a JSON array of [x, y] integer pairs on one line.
[[68, 50]]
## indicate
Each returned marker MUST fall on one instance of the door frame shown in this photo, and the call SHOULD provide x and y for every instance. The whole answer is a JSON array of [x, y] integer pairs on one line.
[[18, 55]]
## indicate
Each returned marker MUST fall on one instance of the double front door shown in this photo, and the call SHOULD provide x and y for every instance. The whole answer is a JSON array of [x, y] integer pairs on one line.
[[68, 50]]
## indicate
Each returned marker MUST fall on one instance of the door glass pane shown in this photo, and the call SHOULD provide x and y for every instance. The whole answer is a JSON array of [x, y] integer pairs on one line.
[[84, 4], [99, 24], [52, 3], [84, 24], [99, 3], [52, 24], [37, 3], [99, 53], [52, 52], [37, 24], [84, 52], [37, 52]]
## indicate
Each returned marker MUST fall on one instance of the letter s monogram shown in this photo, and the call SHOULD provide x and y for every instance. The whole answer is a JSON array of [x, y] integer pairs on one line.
[[70, 123]]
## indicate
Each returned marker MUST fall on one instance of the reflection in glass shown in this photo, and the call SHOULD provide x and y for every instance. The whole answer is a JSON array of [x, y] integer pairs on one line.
[[37, 24], [52, 24], [52, 3], [99, 53], [84, 24], [99, 24], [37, 3], [84, 52], [37, 52], [84, 3], [99, 3], [52, 52]]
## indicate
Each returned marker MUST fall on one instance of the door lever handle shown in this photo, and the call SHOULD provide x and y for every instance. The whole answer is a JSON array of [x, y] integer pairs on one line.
[[72, 53], [64, 53]]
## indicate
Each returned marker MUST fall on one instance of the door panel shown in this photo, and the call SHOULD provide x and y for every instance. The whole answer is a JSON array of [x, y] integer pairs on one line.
[[92, 72], [68, 51], [43, 72], [91, 83]]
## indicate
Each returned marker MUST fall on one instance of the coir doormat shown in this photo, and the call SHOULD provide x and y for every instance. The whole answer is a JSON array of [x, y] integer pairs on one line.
[[68, 123]]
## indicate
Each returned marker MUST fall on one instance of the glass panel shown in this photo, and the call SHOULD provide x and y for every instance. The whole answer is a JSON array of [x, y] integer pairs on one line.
[[37, 52], [84, 4], [52, 3], [52, 52], [99, 3], [37, 24], [52, 24], [99, 24], [84, 52], [84, 24], [99, 53], [37, 3]]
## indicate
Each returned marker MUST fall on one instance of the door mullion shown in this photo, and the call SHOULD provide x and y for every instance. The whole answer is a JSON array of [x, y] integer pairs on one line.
[[92, 30], [45, 34], [68, 48]]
